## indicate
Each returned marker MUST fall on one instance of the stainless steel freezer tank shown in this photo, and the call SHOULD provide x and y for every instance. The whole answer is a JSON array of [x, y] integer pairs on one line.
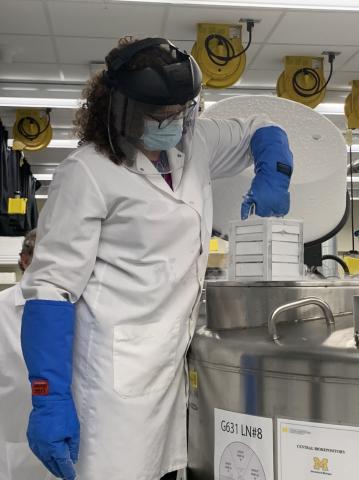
[[296, 365]]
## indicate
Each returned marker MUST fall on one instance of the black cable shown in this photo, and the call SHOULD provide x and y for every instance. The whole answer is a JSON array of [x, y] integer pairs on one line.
[[32, 136], [315, 90], [109, 123], [338, 260], [220, 60], [352, 196]]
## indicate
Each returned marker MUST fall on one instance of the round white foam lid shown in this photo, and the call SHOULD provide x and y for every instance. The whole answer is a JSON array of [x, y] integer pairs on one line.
[[318, 186]]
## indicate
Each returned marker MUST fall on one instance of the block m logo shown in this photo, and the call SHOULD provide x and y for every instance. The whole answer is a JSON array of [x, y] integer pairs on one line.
[[320, 464]]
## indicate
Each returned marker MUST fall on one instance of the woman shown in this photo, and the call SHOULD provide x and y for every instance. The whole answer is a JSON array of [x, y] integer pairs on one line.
[[124, 239]]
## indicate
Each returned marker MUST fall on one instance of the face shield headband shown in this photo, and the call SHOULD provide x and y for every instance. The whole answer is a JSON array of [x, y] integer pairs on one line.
[[174, 83]]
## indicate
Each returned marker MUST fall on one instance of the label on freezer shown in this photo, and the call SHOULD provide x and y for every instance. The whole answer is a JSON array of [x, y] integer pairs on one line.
[[308, 450], [243, 446]]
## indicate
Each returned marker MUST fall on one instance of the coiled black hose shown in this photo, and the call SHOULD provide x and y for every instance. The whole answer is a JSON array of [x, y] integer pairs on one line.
[[220, 60], [32, 136], [316, 89]]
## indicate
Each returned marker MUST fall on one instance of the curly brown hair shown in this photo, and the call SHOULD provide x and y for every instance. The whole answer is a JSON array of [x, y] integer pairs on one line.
[[92, 119], [27, 250]]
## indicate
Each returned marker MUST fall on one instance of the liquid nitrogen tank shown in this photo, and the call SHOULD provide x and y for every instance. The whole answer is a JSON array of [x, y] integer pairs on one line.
[[274, 374]]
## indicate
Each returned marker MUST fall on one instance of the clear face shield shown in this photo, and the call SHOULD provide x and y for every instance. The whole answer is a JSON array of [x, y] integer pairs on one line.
[[153, 109], [153, 128]]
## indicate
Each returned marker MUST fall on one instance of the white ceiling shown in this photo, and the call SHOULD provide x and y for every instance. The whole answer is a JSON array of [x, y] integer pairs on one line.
[[46, 47], [55, 40]]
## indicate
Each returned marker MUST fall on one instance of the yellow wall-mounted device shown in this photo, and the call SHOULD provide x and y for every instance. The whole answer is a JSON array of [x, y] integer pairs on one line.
[[16, 205], [301, 79], [351, 107], [216, 50], [32, 130]]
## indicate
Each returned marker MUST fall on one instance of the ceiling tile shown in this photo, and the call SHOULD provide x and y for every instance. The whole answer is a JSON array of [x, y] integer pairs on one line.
[[182, 21], [271, 56], [352, 65], [182, 44], [30, 71], [343, 79], [84, 50], [318, 28], [27, 48], [75, 73], [62, 119], [108, 20], [258, 78], [23, 17]]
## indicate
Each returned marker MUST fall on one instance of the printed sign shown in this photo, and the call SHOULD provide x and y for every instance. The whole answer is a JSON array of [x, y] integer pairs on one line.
[[243, 446], [313, 450]]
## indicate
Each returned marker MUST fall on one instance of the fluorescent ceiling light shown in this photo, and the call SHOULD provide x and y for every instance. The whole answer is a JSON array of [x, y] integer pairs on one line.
[[64, 90], [43, 176], [355, 179], [324, 108], [40, 196], [40, 102], [351, 5], [64, 143], [56, 143], [20, 89]]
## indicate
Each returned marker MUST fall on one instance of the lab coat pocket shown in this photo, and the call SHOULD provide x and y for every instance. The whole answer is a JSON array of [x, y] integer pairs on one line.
[[144, 358]]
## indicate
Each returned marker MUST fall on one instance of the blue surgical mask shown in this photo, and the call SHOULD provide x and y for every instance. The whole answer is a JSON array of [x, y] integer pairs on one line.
[[163, 138]]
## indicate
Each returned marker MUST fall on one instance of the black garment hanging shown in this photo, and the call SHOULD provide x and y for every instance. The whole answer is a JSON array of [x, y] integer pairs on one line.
[[3, 169], [16, 179], [29, 185]]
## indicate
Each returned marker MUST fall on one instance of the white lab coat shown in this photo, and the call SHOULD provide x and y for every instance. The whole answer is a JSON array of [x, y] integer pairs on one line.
[[17, 462], [132, 253]]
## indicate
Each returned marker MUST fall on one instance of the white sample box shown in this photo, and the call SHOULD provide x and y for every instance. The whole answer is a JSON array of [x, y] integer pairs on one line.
[[265, 249]]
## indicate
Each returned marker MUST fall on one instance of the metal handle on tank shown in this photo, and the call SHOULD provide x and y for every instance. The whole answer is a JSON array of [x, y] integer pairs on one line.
[[272, 327]]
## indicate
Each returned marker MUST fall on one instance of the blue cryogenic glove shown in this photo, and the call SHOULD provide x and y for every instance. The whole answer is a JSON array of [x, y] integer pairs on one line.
[[46, 339], [273, 166]]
